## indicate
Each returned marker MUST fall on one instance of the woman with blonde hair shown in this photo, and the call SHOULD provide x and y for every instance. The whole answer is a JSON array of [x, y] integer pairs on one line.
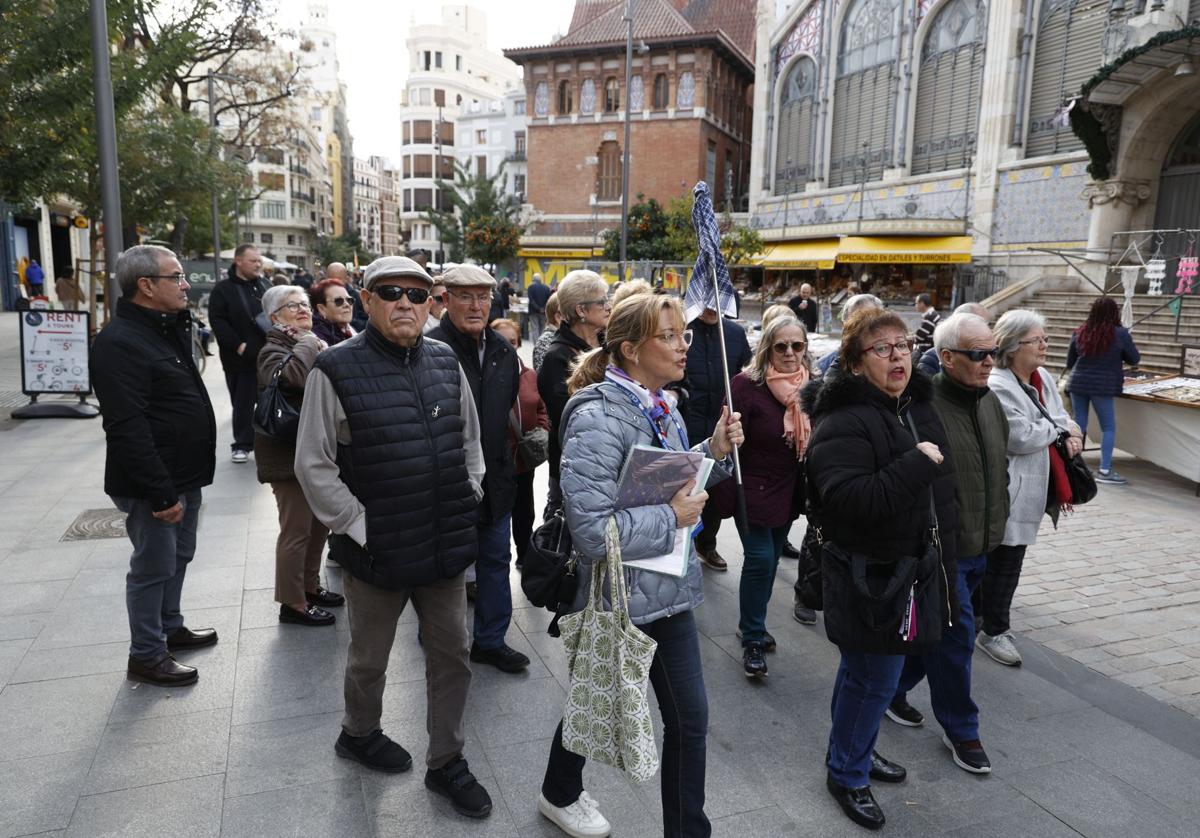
[[777, 310], [618, 402]]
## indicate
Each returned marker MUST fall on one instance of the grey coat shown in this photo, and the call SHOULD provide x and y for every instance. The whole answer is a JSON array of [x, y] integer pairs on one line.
[[600, 426], [1029, 437]]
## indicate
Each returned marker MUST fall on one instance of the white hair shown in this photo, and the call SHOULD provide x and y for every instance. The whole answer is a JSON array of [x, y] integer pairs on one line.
[[277, 296], [974, 308], [1011, 329], [858, 301], [948, 334]]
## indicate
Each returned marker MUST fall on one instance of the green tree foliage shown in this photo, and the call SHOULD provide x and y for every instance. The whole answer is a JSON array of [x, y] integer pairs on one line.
[[342, 249], [481, 222], [661, 234]]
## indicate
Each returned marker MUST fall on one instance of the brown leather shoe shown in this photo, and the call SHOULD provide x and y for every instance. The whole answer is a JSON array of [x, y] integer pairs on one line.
[[186, 638], [712, 559], [165, 673]]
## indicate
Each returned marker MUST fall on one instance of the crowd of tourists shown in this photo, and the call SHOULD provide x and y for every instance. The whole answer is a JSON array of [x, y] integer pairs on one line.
[[397, 423]]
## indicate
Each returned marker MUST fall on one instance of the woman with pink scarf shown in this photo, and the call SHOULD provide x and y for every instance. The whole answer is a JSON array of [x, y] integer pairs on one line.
[[767, 394]]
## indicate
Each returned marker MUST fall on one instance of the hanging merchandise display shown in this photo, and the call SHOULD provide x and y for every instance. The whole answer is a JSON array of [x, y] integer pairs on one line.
[[1156, 272], [1129, 278], [1186, 274]]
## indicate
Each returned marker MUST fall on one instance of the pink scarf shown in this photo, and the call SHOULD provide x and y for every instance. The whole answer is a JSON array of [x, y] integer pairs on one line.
[[786, 387]]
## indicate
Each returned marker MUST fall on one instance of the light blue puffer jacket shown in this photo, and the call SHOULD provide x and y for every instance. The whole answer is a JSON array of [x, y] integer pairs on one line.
[[600, 426]]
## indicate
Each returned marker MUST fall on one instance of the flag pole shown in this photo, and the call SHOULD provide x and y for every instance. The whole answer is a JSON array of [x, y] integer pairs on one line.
[[742, 519]]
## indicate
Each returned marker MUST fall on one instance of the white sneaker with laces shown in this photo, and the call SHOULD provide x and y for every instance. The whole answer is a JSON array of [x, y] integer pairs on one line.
[[240, 456], [999, 648], [582, 819]]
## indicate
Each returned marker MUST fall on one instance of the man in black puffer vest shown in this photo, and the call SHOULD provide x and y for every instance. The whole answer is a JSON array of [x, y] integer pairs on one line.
[[389, 459]]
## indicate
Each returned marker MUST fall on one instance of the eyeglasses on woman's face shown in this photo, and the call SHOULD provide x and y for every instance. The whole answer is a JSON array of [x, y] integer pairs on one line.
[[673, 338], [883, 349], [796, 346], [1036, 340], [294, 306]]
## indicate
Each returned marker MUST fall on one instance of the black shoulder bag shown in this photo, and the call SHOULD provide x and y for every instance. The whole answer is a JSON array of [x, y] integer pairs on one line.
[[549, 574], [1083, 483], [274, 415]]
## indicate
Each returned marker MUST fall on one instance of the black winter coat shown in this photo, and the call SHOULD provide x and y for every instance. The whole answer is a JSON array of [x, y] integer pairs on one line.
[[495, 385], [870, 486], [232, 307], [158, 421], [552, 385], [705, 380]]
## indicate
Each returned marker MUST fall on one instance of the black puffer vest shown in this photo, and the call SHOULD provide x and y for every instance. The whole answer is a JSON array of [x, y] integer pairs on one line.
[[406, 462]]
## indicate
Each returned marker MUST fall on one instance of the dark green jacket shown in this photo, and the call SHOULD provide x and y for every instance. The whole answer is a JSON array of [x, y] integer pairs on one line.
[[978, 434]]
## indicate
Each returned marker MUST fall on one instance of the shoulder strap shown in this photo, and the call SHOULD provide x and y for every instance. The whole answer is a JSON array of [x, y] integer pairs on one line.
[[933, 520]]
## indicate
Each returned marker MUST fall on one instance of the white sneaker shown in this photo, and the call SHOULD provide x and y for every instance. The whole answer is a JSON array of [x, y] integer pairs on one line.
[[582, 819], [999, 648], [240, 456]]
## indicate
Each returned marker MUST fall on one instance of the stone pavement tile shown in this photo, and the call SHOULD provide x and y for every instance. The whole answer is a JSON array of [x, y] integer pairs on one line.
[[34, 597], [277, 686], [44, 564], [51, 717], [219, 550], [770, 820], [182, 809], [212, 587], [77, 622], [500, 707], [98, 581], [158, 750], [286, 639], [213, 691], [12, 652], [811, 807], [1025, 824], [70, 661], [282, 753], [22, 626], [334, 808], [1094, 802], [39, 793], [400, 806]]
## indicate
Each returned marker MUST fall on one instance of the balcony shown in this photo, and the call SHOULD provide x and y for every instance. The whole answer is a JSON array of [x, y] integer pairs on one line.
[[307, 197], [515, 157], [297, 169]]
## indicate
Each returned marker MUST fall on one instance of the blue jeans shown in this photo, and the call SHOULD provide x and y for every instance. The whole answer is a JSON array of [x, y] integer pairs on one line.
[[761, 547], [864, 687], [678, 683], [1106, 412], [154, 584], [493, 595], [949, 665]]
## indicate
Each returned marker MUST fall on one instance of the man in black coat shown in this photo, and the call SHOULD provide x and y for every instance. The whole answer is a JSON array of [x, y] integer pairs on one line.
[[492, 368], [805, 307], [161, 441], [705, 384], [233, 307]]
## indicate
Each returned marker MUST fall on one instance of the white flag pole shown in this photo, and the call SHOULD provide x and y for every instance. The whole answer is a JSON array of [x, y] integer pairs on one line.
[[737, 463]]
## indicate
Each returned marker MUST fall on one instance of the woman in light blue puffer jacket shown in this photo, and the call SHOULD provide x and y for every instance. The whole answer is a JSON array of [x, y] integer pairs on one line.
[[619, 402]]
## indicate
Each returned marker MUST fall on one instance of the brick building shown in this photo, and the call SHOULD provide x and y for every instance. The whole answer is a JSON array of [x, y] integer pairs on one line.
[[689, 101]]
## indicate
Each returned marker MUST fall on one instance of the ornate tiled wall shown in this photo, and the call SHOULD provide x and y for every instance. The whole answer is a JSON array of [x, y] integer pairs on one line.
[[1041, 205], [943, 200]]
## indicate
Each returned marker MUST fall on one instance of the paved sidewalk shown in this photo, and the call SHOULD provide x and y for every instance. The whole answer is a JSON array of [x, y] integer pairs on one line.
[[248, 750]]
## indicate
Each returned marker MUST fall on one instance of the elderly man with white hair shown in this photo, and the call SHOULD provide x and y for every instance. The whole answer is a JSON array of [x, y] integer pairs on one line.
[[978, 434]]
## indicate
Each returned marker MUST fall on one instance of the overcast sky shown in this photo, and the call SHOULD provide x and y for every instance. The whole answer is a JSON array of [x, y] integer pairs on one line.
[[374, 60]]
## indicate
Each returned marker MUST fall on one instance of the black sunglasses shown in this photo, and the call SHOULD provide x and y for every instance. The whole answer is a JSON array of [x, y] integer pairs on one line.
[[344, 301], [392, 293], [977, 355], [796, 346]]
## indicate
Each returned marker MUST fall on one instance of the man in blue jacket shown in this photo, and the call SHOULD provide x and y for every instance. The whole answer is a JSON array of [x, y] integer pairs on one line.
[[705, 384]]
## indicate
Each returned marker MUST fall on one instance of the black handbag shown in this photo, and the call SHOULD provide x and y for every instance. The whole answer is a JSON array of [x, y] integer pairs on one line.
[[549, 573], [808, 581], [1083, 483], [274, 415]]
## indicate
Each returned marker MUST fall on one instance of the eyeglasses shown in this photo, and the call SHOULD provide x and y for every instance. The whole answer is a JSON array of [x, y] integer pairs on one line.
[[977, 355], [797, 346], [672, 338], [884, 349], [603, 302], [473, 299], [392, 293], [340, 301], [294, 306], [1041, 340], [179, 278]]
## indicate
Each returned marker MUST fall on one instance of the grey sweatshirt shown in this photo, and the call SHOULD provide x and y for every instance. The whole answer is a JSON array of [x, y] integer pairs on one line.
[[323, 427]]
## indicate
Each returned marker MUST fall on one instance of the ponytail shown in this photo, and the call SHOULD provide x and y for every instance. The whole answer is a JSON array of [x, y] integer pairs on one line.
[[588, 368]]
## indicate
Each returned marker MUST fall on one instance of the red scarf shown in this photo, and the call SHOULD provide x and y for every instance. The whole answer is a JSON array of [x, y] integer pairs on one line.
[[1058, 469]]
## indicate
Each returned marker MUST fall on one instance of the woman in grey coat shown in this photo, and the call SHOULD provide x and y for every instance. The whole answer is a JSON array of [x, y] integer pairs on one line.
[[1036, 418], [618, 401]]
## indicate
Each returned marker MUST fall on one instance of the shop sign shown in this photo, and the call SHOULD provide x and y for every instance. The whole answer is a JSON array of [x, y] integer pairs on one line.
[[54, 352]]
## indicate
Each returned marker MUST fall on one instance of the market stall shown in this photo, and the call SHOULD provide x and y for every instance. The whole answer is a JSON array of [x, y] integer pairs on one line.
[[1158, 420]]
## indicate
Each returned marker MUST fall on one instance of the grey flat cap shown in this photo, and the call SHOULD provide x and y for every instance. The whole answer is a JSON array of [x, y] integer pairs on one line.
[[390, 266], [467, 276]]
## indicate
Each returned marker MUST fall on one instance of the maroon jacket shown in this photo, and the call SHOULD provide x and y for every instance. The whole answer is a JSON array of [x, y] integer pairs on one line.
[[533, 411]]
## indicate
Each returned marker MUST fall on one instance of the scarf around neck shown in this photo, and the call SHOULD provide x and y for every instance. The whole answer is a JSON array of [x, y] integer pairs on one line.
[[786, 387]]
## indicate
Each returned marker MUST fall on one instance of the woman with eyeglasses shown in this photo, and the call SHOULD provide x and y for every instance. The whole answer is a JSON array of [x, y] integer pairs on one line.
[[332, 310], [767, 393], [879, 482], [292, 347], [1037, 476]]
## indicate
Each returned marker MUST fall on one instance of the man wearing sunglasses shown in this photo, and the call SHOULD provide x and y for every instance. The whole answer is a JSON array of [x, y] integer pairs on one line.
[[978, 433], [388, 456], [491, 366]]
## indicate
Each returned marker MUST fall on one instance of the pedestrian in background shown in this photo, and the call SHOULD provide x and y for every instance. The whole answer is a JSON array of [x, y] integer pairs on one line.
[[161, 439], [436, 305], [235, 312], [547, 336], [1095, 361], [537, 295], [805, 307], [1037, 477], [389, 445], [923, 338], [930, 363], [852, 305], [705, 384], [291, 349], [36, 277], [66, 288], [333, 308]]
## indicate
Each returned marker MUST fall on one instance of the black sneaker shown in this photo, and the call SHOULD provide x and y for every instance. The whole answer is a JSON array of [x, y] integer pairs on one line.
[[504, 658], [802, 614], [969, 755], [790, 551], [754, 660], [456, 782], [903, 713], [374, 750], [768, 640]]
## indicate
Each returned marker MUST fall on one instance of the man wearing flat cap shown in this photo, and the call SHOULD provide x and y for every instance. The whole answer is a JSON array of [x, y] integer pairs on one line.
[[389, 458], [492, 369]]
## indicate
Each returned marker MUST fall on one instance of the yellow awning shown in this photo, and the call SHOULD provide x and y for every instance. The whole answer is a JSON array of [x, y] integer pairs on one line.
[[550, 253], [817, 254], [916, 250]]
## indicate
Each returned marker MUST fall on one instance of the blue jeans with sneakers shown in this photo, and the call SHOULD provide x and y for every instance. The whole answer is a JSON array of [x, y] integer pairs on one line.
[[1106, 412]]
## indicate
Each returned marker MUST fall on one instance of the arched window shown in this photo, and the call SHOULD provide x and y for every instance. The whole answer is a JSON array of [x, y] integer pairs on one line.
[[565, 103], [541, 99], [1069, 48], [1179, 190], [608, 172], [587, 96], [662, 93], [864, 98], [948, 88], [795, 141], [686, 96], [637, 94], [612, 95]]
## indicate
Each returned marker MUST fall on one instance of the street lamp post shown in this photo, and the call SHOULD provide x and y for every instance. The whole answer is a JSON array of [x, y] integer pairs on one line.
[[625, 160], [216, 208], [106, 146]]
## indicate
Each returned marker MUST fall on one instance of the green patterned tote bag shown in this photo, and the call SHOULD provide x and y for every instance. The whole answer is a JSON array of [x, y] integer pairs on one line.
[[607, 717]]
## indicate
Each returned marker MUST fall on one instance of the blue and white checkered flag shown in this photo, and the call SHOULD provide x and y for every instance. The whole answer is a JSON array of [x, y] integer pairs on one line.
[[700, 292]]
